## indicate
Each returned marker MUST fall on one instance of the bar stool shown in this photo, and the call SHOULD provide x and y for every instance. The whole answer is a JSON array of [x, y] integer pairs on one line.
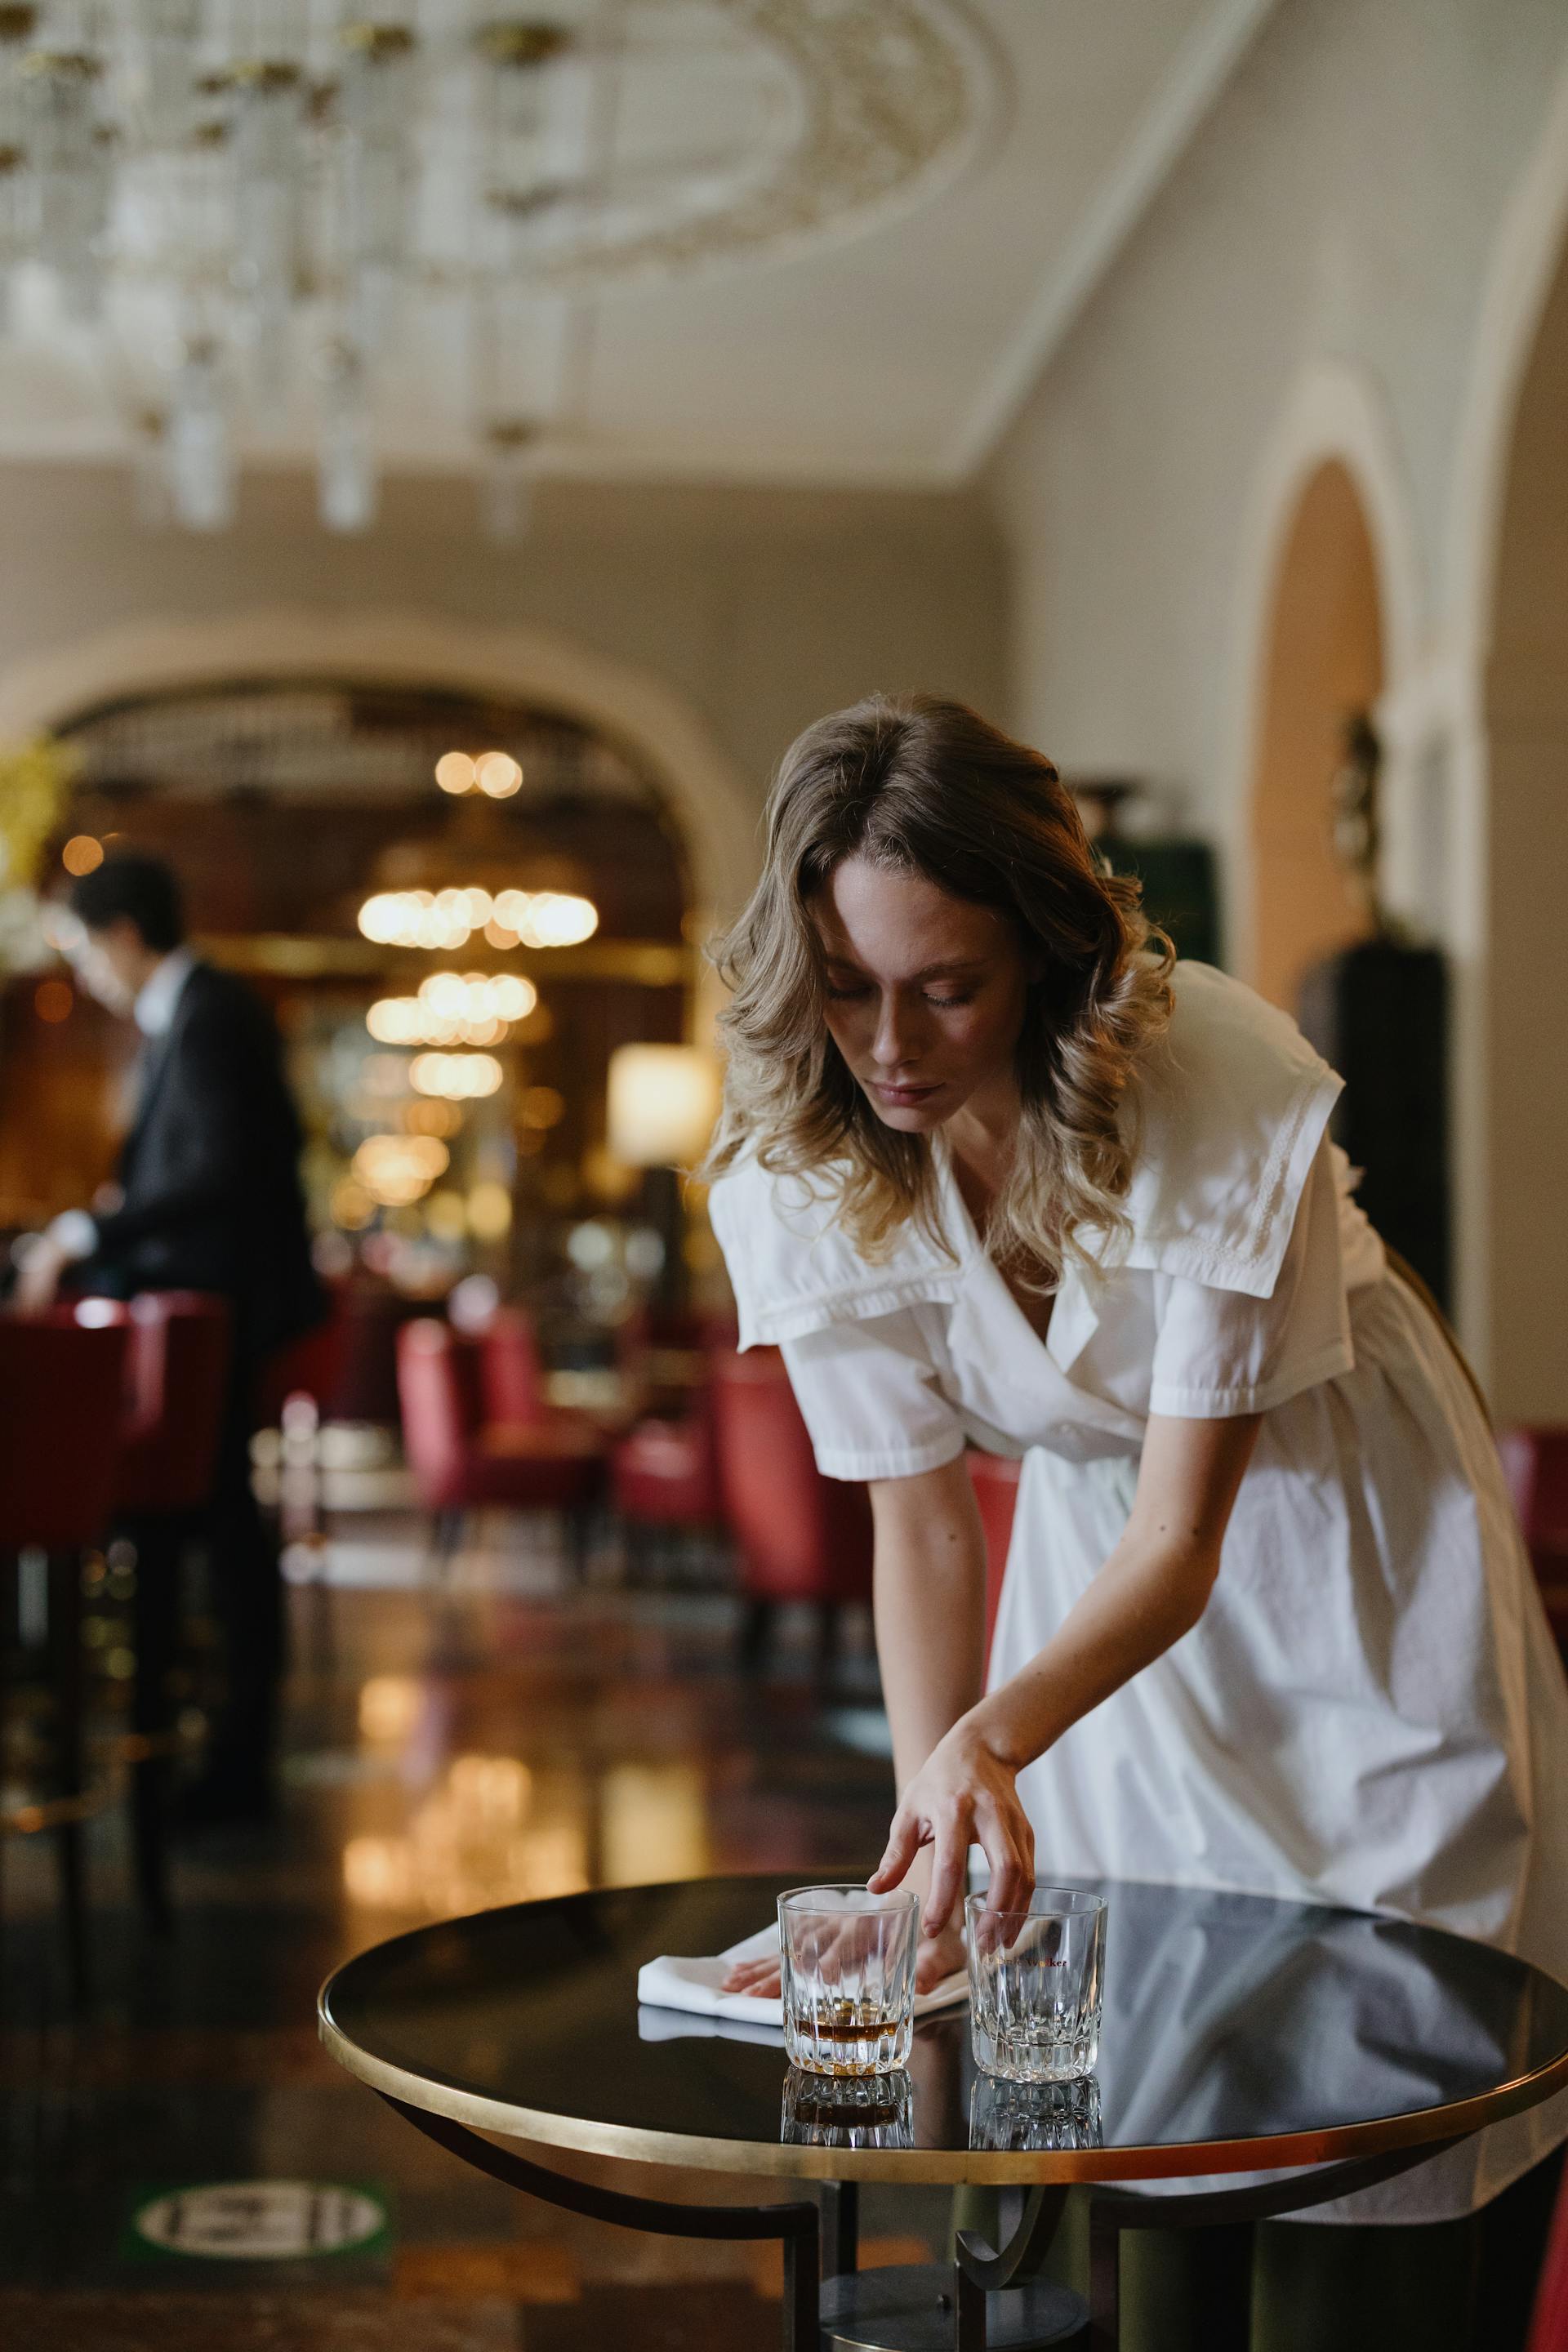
[[177, 1373], [62, 1376]]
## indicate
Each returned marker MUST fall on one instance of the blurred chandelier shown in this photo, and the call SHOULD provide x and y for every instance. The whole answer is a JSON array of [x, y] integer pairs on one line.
[[237, 201], [507, 919]]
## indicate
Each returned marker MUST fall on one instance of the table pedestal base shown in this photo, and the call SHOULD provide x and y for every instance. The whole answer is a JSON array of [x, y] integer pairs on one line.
[[911, 2308]]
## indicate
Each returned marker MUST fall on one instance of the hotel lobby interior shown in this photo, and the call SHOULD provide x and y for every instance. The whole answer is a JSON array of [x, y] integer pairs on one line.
[[447, 455]]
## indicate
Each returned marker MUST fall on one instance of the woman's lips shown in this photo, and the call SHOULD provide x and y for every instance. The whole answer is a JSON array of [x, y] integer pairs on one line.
[[902, 1097]]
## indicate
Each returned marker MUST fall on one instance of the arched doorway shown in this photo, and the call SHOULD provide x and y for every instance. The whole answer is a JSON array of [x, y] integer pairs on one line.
[[451, 1133], [1323, 661], [1526, 891]]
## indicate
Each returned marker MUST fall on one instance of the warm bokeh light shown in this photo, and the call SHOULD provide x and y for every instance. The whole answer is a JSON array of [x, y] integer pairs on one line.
[[499, 775], [352, 1206], [449, 918], [489, 1212], [426, 1117], [389, 1707], [53, 999], [460, 1078], [82, 854], [663, 1100], [454, 773], [446, 1217], [543, 919], [453, 1009], [542, 1107], [473, 1843], [398, 1170], [653, 1823]]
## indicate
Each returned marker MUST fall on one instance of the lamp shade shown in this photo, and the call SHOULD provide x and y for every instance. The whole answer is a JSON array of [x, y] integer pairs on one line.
[[663, 1102]]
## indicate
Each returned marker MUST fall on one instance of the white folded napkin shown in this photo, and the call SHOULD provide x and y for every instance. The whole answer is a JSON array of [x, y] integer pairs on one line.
[[694, 1986]]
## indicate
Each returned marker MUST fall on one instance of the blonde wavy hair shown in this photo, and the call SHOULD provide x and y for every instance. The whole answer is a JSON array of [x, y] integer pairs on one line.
[[920, 785]]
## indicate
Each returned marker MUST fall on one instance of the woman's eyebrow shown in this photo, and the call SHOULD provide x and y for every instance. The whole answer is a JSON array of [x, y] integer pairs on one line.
[[927, 972]]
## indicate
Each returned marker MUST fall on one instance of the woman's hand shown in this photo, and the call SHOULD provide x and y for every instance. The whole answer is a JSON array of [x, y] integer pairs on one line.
[[965, 1794], [940, 1955]]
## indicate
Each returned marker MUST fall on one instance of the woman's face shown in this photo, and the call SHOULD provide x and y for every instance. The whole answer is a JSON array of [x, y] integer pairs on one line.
[[926, 994]]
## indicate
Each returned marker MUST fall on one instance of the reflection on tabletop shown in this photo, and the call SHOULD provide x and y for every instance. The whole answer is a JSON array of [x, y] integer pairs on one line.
[[1226, 2018], [852, 2111], [1034, 2118]]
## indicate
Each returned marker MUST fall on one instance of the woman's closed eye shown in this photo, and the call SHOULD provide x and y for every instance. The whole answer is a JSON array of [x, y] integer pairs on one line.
[[938, 1003]]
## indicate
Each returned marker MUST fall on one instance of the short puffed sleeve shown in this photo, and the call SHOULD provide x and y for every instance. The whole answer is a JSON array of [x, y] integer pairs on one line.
[[1220, 1353], [863, 1343], [871, 1396]]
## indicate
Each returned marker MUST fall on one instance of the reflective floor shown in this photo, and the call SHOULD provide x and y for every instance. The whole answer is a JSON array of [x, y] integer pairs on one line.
[[448, 1748]]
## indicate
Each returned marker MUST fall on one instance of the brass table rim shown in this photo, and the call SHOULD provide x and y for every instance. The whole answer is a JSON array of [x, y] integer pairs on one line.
[[780, 2160]]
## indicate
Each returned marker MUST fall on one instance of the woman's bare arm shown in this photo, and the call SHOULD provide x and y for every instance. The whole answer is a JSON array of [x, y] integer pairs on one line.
[[929, 1594], [1152, 1590]]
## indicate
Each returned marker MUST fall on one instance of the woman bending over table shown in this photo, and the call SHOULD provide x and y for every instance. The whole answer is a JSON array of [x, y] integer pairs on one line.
[[996, 1171]]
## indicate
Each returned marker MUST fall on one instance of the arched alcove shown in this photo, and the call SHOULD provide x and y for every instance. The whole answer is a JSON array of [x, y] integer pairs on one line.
[[1525, 712], [1322, 660], [712, 801]]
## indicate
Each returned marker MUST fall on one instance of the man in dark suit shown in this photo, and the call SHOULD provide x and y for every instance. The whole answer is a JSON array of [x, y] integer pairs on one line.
[[208, 1198]]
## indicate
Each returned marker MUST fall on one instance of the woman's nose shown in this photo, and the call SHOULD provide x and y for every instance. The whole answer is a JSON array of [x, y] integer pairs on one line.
[[895, 1041]]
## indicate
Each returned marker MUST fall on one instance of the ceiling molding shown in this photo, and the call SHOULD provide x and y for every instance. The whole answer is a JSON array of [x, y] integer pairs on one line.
[[1207, 60]]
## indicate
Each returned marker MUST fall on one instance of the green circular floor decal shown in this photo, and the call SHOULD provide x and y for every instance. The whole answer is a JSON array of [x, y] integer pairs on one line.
[[260, 2221]]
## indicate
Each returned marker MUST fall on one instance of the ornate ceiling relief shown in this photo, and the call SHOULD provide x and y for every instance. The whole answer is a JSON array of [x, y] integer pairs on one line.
[[246, 213]]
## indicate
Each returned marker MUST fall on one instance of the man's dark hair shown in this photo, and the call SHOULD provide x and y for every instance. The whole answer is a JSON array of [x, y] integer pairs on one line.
[[142, 889]]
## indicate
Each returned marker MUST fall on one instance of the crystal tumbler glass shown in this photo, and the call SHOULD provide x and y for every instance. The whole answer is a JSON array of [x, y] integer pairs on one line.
[[848, 1967], [1036, 1983]]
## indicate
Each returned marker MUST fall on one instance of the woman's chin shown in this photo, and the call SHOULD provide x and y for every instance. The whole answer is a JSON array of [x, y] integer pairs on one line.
[[908, 1118]]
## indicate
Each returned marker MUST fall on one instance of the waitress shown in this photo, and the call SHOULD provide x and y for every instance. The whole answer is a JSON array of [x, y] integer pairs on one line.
[[994, 1170]]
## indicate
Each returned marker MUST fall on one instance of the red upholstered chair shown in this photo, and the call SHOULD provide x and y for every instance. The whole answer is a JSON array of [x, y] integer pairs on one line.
[[62, 1376], [511, 1370], [463, 1461], [1549, 2327], [801, 1537], [177, 1372], [664, 1474], [312, 1365], [1535, 1463], [996, 1482]]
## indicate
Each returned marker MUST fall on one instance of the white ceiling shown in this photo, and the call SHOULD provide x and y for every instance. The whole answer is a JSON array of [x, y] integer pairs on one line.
[[894, 357]]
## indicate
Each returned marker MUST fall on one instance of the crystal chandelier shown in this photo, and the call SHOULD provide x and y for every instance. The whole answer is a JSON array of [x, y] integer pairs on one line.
[[228, 193], [250, 220]]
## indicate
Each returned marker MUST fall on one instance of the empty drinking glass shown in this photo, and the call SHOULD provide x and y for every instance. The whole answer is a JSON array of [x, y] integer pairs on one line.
[[848, 1964], [1037, 1983]]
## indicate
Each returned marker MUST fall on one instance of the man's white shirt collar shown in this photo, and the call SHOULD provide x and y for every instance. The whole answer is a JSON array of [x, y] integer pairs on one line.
[[158, 999]]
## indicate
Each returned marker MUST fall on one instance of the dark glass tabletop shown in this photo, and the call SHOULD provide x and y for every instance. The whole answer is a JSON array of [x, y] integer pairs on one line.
[[1240, 2033]]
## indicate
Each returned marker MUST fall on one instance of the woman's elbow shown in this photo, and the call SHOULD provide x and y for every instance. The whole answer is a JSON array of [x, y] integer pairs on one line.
[[1187, 1588]]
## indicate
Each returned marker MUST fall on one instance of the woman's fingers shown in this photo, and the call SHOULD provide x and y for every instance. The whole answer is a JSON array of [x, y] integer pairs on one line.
[[1007, 1843], [904, 1842], [761, 1979], [950, 1865]]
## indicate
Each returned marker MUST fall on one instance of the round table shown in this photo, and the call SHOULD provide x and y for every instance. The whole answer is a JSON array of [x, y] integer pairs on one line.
[[1315, 2050]]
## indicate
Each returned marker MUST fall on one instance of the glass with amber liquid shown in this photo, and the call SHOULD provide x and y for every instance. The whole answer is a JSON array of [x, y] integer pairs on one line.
[[847, 1971]]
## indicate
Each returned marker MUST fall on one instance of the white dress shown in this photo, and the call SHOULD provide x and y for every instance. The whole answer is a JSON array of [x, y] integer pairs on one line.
[[1371, 1710]]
